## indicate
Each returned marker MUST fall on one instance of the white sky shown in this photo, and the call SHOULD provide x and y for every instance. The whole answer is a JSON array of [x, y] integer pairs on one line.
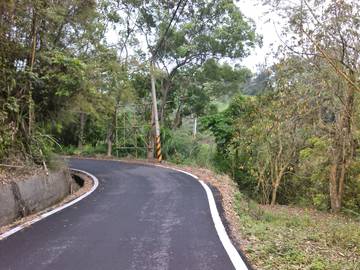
[[265, 27]]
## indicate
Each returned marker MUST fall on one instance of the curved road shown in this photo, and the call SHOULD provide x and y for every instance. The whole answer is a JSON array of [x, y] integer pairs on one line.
[[140, 217]]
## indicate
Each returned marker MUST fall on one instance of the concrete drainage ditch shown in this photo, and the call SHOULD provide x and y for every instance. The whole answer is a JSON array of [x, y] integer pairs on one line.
[[19, 199]]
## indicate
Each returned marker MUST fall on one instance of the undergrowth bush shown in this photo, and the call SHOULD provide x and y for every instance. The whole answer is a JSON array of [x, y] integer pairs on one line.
[[86, 150], [179, 146]]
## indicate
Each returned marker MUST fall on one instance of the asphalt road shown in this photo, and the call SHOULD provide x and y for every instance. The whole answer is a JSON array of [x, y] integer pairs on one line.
[[140, 217]]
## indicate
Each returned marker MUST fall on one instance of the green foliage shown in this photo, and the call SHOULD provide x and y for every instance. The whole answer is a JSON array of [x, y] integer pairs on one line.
[[205, 156], [352, 191], [280, 153], [41, 146], [220, 126], [87, 150], [60, 79], [178, 145], [190, 77], [5, 136], [63, 74], [90, 150], [210, 28], [235, 136], [39, 82], [71, 82]]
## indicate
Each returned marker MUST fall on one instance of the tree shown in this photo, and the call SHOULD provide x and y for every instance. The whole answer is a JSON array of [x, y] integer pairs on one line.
[[327, 33], [197, 88], [200, 30], [39, 59]]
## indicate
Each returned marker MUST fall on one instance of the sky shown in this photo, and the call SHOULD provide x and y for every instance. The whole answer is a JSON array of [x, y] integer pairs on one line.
[[266, 28]]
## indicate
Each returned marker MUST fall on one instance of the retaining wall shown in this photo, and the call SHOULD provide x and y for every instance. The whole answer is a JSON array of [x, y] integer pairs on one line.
[[21, 198]]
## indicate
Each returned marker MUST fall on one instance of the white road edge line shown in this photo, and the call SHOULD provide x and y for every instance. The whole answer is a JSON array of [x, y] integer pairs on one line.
[[46, 214], [233, 254]]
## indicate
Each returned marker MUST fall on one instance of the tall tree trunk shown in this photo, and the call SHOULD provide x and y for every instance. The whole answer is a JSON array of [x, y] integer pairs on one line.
[[151, 142], [81, 131], [342, 149], [109, 139], [111, 131], [276, 184], [31, 62], [109, 143], [178, 118], [337, 176], [165, 92], [333, 188], [150, 150], [274, 194], [278, 171], [263, 184]]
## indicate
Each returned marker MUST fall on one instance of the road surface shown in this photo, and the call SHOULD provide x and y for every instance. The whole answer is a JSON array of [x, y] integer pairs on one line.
[[140, 217]]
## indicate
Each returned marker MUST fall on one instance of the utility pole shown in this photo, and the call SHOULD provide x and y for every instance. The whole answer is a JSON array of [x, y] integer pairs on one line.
[[116, 128], [155, 112], [152, 75]]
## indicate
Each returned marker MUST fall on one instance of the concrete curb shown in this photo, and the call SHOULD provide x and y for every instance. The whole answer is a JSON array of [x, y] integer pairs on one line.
[[19, 199], [55, 210]]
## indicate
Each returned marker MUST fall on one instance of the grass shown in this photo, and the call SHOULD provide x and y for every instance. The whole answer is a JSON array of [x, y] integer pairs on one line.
[[294, 238]]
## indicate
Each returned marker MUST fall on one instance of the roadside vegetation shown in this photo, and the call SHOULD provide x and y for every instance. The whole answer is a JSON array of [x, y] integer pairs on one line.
[[287, 237], [287, 135]]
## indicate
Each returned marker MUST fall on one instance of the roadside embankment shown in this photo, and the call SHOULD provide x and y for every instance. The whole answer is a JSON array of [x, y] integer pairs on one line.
[[20, 198]]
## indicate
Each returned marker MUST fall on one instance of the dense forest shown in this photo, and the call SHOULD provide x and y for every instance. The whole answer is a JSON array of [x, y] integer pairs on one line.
[[288, 134]]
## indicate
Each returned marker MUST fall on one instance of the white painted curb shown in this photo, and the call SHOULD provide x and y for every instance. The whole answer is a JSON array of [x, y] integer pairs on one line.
[[233, 254], [46, 214]]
